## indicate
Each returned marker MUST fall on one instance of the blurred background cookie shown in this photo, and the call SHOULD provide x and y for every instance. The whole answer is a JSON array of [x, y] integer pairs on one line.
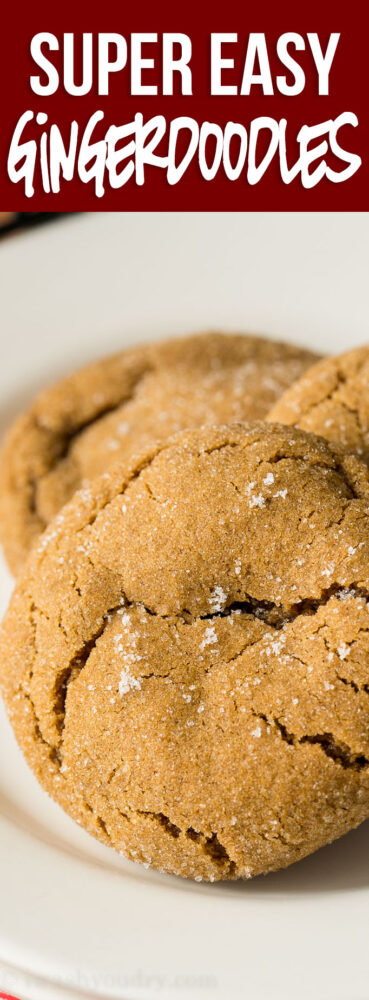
[[332, 399], [116, 406]]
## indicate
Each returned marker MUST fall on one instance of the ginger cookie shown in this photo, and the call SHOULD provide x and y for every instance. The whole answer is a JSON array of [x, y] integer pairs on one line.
[[332, 399], [115, 407], [185, 659]]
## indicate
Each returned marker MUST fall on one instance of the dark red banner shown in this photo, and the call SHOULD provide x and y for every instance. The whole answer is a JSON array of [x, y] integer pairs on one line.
[[185, 107]]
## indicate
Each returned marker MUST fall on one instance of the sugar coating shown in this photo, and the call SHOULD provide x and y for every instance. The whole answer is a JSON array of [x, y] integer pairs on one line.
[[128, 683], [217, 599]]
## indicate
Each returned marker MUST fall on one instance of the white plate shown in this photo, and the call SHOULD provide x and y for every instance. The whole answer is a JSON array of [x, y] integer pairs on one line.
[[76, 919]]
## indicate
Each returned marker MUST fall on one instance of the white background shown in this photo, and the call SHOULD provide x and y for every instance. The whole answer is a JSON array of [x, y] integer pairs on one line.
[[110, 277]]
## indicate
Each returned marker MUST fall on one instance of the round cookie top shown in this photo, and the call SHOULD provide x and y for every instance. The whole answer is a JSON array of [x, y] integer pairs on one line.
[[332, 399], [185, 659], [115, 407]]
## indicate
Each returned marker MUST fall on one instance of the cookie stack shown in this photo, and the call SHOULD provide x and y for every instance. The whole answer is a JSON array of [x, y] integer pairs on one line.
[[185, 658]]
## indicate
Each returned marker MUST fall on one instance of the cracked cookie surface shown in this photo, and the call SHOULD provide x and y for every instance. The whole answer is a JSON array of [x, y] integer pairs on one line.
[[185, 659], [117, 406], [332, 399]]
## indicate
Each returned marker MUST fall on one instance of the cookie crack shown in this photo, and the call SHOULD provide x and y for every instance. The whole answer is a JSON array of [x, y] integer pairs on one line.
[[226, 663], [102, 411], [100, 822], [341, 753], [67, 438], [74, 668], [52, 751], [135, 474], [277, 615], [209, 845], [358, 688], [222, 446]]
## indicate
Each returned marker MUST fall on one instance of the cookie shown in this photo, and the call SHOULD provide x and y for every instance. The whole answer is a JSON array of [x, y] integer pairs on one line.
[[332, 399], [116, 407], [185, 659]]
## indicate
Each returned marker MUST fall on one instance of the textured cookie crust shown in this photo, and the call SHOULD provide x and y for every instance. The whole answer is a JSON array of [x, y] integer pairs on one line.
[[332, 399], [185, 660], [116, 407]]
